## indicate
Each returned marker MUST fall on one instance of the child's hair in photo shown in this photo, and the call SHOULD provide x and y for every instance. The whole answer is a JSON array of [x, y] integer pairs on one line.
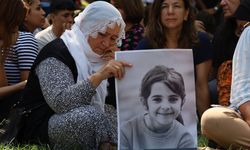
[[160, 73]]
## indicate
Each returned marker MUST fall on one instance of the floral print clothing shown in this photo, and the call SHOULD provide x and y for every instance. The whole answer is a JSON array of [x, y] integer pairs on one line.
[[133, 36]]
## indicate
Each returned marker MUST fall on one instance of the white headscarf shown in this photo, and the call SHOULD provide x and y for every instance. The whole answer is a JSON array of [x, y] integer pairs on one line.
[[96, 17]]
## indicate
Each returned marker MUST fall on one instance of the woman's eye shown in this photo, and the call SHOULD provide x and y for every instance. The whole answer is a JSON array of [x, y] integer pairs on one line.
[[38, 8], [157, 100], [163, 6], [101, 34], [177, 6], [66, 15], [173, 99]]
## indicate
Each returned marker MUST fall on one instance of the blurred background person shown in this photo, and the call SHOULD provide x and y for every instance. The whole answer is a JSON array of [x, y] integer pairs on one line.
[[132, 13], [12, 14], [208, 23], [35, 18], [224, 43], [229, 126], [62, 17], [210, 6]]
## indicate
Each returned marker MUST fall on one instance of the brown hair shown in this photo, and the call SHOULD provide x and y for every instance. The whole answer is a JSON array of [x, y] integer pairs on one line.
[[155, 31], [12, 13], [133, 9], [168, 76]]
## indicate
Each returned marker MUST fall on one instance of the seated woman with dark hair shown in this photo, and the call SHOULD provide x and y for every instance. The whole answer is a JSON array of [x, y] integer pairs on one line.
[[12, 14], [171, 25]]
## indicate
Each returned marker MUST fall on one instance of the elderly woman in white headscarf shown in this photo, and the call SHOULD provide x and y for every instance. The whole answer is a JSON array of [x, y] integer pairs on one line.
[[67, 86]]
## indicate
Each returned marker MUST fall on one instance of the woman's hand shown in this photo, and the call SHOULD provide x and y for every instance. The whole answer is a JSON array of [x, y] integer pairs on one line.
[[199, 25], [10, 89], [112, 69], [21, 85]]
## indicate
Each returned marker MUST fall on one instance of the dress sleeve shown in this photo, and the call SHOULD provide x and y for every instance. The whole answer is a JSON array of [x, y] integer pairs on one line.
[[240, 92], [203, 51], [59, 88], [26, 50], [186, 141], [126, 136]]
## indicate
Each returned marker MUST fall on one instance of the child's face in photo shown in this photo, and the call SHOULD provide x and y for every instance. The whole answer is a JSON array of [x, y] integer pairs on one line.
[[164, 105]]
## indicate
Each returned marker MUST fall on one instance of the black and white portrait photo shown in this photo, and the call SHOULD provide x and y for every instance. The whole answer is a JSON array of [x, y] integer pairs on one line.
[[156, 100]]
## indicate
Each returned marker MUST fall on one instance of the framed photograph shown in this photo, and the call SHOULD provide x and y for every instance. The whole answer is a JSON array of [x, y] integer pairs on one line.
[[156, 103]]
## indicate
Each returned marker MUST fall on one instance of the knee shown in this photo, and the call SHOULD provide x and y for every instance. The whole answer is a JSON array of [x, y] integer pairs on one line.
[[208, 121], [73, 125], [90, 114]]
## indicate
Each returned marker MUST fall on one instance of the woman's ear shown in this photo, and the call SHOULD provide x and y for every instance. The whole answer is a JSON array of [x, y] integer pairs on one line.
[[144, 103]]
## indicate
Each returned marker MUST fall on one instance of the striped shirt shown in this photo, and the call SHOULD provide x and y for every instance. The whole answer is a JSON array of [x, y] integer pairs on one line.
[[240, 88], [21, 57]]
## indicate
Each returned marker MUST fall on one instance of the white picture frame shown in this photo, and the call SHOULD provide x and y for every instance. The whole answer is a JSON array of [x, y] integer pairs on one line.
[[127, 89]]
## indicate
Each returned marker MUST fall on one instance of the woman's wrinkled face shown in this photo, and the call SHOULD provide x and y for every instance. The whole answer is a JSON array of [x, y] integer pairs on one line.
[[104, 41], [36, 15], [173, 14], [229, 7]]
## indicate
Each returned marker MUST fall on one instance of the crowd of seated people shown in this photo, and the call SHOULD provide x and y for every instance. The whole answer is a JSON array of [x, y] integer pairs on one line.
[[31, 29]]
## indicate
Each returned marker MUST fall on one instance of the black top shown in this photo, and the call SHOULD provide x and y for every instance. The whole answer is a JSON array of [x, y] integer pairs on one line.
[[35, 125], [201, 52], [224, 44]]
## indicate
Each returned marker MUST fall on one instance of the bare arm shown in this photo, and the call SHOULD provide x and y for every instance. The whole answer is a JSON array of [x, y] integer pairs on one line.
[[202, 91], [5, 89], [3, 79], [8, 90], [59, 88], [24, 75]]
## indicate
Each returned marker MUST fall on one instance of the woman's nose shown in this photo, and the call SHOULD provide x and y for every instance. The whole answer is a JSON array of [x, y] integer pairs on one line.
[[165, 105], [43, 12], [170, 9]]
